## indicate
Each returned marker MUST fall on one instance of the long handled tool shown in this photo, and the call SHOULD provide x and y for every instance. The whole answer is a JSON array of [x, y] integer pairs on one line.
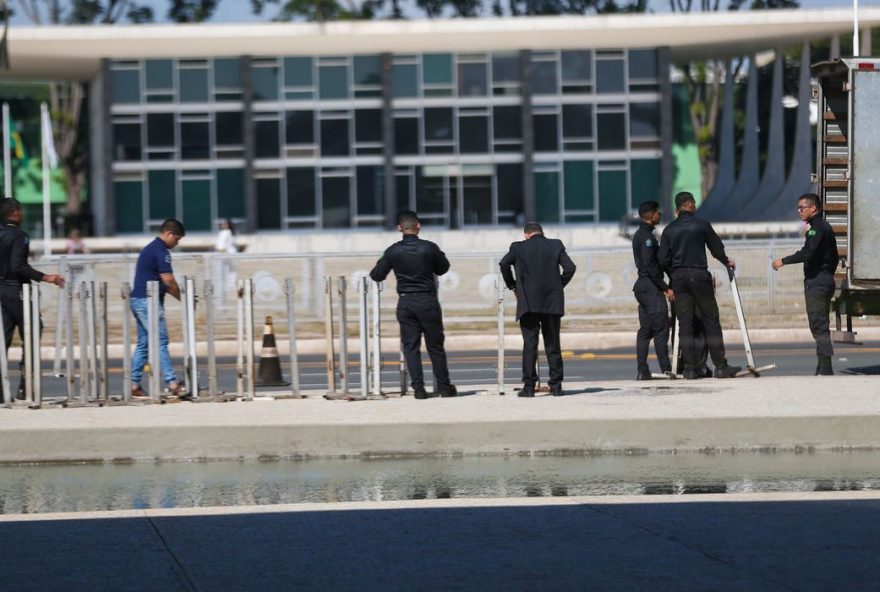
[[750, 358]]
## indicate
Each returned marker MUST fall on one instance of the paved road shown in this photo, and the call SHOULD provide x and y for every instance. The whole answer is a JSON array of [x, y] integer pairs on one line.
[[472, 368]]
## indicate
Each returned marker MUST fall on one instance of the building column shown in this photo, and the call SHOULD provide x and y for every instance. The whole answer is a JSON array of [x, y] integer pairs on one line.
[[725, 175], [667, 161], [103, 200], [835, 47], [749, 164], [388, 148], [249, 137], [528, 136]]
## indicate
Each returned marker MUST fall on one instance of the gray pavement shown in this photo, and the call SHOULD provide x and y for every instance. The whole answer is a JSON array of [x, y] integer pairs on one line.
[[816, 541], [779, 413]]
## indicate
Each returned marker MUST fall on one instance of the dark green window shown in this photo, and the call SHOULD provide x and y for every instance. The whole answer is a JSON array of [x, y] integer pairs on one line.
[[645, 180], [196, 204], [368, 70], [546, 133], [613, 203], [336, 210], [370, 195], [129, 197], [578, 185], [230, 193], [510, 188], [193, 85], [265, 81], [298, 72], [609, 76], [301, 191], [644, 120], [159, 74], [547, 196], [333, 82], [404, 81], [227, 73], [269, 204], [643, 63], [163, 195], [125, 86], [437, 68]]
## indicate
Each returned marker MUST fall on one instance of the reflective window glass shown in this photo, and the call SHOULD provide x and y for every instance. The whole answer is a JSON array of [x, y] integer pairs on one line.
[[576, 66], [437, 68], [163, 194], [402, 191], [298, 72], [613, 203], [160, 130], [127, 141], [301, 191], [611, 131], [230, 193], [505, 68], [265, 81], [507, 124], [367, 70], [578, 185], [404, 81], [268, 204], [473, 134], [300, 127], [159, 74], [335, 202], [266, 138], [227, 73], [438, 124], [472, 80], [546, 133], [334, 137], [228, 128], [544, 80], [577, 121], [644, 120], [646, 180], [609, 76], [196, 198], [129, 199], [333, 82], [193, 85], [510, 188], [194, 140], [125, 86], [368, 125], [370, 193], [547, 196], [406, 135], [643, 63]]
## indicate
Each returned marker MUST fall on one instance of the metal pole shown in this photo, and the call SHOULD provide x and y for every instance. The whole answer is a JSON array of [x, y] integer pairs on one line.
[[4, 367], [7, 157], [209, 327], [192, 354], [676, 345], [249, 336], [27, 369], [500, 289], [84, 384], [68, 294], [93, 342], [363, 305], [126, 343], [855, 47], [403, 373], [184, 326], [103, 376], [36, 357], [59, 319], [153, 339], [290, 292], [46, 136], [239, 337], [377, 339], [342, 288], [328, 334]]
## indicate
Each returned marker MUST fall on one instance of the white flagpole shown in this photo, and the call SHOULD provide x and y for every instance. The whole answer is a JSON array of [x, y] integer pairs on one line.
[[46, 136], [7, 161], [856, 49]]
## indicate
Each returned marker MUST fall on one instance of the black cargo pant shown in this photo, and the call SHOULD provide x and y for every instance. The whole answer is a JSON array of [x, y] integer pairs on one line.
[[818, 291], [694, 292], [531, 324], [13, 317], [419, 313], [653, 324]]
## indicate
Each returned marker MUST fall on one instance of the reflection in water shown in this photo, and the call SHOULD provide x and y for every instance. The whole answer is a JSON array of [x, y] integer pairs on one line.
[[29, 489]]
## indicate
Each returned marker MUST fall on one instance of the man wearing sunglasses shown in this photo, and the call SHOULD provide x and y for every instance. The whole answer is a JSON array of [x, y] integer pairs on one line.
[[820, 258]]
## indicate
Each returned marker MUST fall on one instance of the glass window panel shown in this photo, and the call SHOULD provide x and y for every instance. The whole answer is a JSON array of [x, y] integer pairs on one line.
[[370, 196], [510, 188], [368, 125], [577, 66], [265, 81], [127, 141], [473, 134], [544, 80], [227, 73], [406, 135], [163, 195], [431, 192], [404, 80], [609, 76], [300, 127], [228, 128], [476, 199], [578, 184], [129, 198], [196, 204], [125, 86], [333, 82], [194, 141], [268, 204], [437, 68], [160, 130], [613, 203], [646, 181], [230, 193], [644, 120], [266, 136], [402, 192], [336, 210], [546, 133], [334, 137], [298, 72], [472, 80], [643, 63], [547, 196], [301, 191], [505, 68], [611, 131], [368, 70], [193, 85], [159, 74], [507, 123], [438, 124], [577, 121]]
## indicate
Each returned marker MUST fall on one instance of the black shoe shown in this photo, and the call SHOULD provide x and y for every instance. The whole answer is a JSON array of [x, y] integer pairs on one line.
[[556, 390], [704, 372], [644, 376], [421, 393], [726, 371], [527, 390], [691, 374], [823, 368], [447, 390]]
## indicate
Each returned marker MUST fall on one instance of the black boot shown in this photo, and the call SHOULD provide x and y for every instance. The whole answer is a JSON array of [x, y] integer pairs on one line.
[[823, 368]]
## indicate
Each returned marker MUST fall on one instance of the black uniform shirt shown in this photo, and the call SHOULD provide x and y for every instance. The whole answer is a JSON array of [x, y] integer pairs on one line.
[[684, 242], [415, 262], [819, 252], [645, 253], [14, 251]]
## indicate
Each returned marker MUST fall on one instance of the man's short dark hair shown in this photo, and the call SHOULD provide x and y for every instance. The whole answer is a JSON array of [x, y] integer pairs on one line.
[[8, 206], [532, 228], [813, 199], [648, 207], [407, 220], [683, 197], [174, 226]]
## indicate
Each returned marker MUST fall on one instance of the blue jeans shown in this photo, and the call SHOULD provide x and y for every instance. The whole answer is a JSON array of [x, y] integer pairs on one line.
[[139, 308]]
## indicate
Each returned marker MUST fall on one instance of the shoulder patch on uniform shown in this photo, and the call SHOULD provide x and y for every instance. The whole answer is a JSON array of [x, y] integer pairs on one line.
[[811, 232], [649, 243]]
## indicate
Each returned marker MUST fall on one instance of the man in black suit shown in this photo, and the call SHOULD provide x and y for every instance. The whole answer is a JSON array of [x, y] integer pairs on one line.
[[540, 300]]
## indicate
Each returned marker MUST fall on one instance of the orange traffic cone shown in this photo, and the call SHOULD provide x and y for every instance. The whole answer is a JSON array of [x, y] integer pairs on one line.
[[269, 373]]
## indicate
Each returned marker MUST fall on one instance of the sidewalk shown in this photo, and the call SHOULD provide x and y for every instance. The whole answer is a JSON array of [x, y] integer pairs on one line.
[[774, 413]]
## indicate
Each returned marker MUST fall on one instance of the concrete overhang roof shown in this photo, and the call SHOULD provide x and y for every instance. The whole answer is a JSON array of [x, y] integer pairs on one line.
[[74, 52]]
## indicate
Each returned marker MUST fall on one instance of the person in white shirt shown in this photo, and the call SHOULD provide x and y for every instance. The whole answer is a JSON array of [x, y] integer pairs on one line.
[[226, 238]]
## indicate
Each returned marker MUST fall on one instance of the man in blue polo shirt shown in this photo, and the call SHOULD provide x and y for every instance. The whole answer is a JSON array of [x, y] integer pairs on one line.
[[154, 264]]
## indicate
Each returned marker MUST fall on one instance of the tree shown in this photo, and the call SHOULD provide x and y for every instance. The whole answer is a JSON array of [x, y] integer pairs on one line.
[[326, 10], [66, 99]]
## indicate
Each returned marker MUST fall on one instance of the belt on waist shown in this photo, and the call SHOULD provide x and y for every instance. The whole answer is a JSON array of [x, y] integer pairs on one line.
[[10, 283], [417, 292]]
